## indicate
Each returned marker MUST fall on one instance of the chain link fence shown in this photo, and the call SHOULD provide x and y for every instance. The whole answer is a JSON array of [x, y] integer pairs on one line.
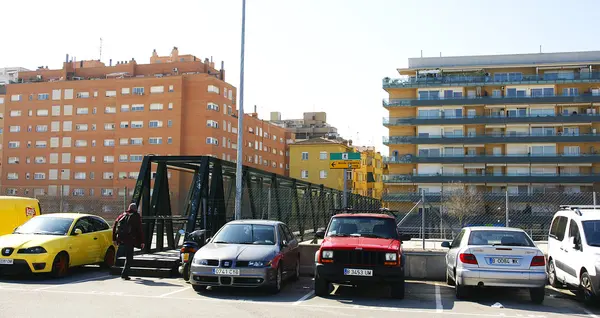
[[446, 214]]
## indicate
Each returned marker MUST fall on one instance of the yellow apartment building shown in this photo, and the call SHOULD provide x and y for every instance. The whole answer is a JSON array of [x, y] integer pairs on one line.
[[368, 180], [525, 124]]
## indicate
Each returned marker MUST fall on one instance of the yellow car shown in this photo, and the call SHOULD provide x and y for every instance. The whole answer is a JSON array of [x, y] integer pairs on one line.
[[53, 243]]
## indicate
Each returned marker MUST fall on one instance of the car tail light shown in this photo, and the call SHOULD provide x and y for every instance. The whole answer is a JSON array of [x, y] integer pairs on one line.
[[467, 258], [538, 261], [188, 250]]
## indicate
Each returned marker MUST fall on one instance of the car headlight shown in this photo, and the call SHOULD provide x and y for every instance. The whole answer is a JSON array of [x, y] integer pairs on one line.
[[391, 257], [32, 250], [198, 261], [259, 263], [327, 254]]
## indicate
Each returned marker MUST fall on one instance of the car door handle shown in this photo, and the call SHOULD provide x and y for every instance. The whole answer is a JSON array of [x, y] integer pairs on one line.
[[95, 238]]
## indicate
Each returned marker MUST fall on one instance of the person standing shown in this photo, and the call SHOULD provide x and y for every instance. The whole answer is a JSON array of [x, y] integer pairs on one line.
[[127, 234]]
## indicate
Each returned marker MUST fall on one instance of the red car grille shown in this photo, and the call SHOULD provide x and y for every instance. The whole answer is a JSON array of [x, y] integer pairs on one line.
[[362, 258]]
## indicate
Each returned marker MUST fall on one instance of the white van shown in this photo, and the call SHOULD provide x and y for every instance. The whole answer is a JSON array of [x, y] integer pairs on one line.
[[574, 250]]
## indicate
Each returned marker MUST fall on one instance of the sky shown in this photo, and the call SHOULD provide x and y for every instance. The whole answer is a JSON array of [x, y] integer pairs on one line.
[[302, 55]]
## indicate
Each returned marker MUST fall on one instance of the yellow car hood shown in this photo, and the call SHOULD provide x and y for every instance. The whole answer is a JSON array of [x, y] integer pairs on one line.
[[17, 241]]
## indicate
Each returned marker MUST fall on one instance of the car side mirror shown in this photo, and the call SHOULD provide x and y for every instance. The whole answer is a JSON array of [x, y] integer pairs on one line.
[[446, 244], [284, 243], [77, 232], [320, 234], [405, 237]]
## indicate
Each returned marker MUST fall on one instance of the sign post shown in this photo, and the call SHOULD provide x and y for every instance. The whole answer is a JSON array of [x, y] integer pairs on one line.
[[346, 161]]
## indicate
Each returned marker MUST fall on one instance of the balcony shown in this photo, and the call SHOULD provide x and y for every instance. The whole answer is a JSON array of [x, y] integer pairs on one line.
[[490, 138], [492, 119], [466, 80], [490, 158], [489, 100], [491, 178], [433, 197]]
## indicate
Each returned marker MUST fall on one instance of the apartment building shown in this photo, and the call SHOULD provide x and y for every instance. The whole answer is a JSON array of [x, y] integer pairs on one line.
[[10, 74], [86, 127], [311, 125], [368, 180], [522, 123]]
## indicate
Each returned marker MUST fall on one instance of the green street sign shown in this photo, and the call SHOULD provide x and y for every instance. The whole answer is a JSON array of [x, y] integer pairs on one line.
[[344, 156]]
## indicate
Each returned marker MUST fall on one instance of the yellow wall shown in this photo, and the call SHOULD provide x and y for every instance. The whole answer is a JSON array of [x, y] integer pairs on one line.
[[370, 162], [335, 177]]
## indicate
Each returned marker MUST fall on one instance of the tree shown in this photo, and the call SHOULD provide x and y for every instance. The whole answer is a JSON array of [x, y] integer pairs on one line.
[[465, 202]]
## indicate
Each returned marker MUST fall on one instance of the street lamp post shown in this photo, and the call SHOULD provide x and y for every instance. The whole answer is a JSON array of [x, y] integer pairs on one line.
[[240, 130]]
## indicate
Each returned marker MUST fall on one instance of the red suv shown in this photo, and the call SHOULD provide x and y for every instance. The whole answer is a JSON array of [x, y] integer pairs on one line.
[[360, 248]]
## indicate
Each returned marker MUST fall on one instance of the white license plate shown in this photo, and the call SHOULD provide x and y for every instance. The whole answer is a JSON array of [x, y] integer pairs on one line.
[[358, 272], [226, 271], [504, 261], [6, 261]]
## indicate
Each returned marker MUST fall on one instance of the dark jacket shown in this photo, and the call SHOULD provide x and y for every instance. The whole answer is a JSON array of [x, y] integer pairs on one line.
[[136, 238]]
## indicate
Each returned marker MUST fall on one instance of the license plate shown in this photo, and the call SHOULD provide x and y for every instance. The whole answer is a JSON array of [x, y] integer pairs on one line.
[[358, 272], [226, 271], [185, 257], [504, 261], [6, 261]]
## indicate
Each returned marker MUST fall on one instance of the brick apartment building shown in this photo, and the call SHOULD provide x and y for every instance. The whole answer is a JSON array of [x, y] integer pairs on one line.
[[86, 127]]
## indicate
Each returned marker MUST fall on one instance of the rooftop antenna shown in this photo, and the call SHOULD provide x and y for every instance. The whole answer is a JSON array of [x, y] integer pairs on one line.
[[100, 49], [540, 48], [440, 54], [421, 53]]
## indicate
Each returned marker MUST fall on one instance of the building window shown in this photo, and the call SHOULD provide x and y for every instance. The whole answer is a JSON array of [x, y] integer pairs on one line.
[[156, 106], [111, 93], [212, 106], [124, 141], [81, 127], [15, 113], [109, 142], [304, 174], [80, 143], [68, 110], [39, 176], [78, 192], [15, 98], [171, 89], [137, 107], [44, 112], [67, 126], [155, 140], [213, 89], [124, 108], [83, 95], [108, 175], [212, 141], [14, 129], [323, 155], [12, 176], [82, 111], [169, 140], [212, 124], [125, 91], [136, 141], [107, 192], [109, 159], [138, 91], [66, 142], [13, 160], [124, 124], [80, 159], [41, 144], [323, 174], [155, 124], [110, 110], [43, 96], [170, 106], [157, 89], [14, 144], [136, 158], [123, 158], [305, 156], [137, 124]]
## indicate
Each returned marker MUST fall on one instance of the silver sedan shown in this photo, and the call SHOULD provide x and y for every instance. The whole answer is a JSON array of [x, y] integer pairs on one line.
[[495, 257], [247, 253]]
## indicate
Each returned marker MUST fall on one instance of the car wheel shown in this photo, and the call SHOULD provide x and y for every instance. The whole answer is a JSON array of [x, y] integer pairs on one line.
[[296, 276], [276, 287], [397, 289], [187, 271], [537, 295], [109, 258], [449, 279], [552, 275], [60, 266], [199, 288], [321, 287], [587, 291]]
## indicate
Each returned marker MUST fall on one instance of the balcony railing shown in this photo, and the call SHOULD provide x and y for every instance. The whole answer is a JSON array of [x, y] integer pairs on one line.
[[491, 158], [489, 138], [490, 119], [408, 196], [474, 80], [490, 100], [509, 178]]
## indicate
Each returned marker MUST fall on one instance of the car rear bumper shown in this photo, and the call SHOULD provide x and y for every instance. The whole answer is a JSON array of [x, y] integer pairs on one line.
[[335, 274], [498, 278], [249, 277]]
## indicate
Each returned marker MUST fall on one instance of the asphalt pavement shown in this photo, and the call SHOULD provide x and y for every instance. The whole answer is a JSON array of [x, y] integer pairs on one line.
[[90, 292]]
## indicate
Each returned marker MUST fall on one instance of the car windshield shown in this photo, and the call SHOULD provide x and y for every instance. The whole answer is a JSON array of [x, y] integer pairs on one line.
[[246, 234], [500, 238], [363, 226], [45, 226], [591, 230]]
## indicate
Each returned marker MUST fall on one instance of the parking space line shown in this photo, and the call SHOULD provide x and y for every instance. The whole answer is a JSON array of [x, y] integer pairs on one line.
[[305, 297], [69, 283], [174, 292], [438, 299]]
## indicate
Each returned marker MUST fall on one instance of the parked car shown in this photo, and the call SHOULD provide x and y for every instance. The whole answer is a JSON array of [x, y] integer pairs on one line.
[[574, 251], [16, 211], [247, 253], [495, 257], [360, 248], [53, 243]]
